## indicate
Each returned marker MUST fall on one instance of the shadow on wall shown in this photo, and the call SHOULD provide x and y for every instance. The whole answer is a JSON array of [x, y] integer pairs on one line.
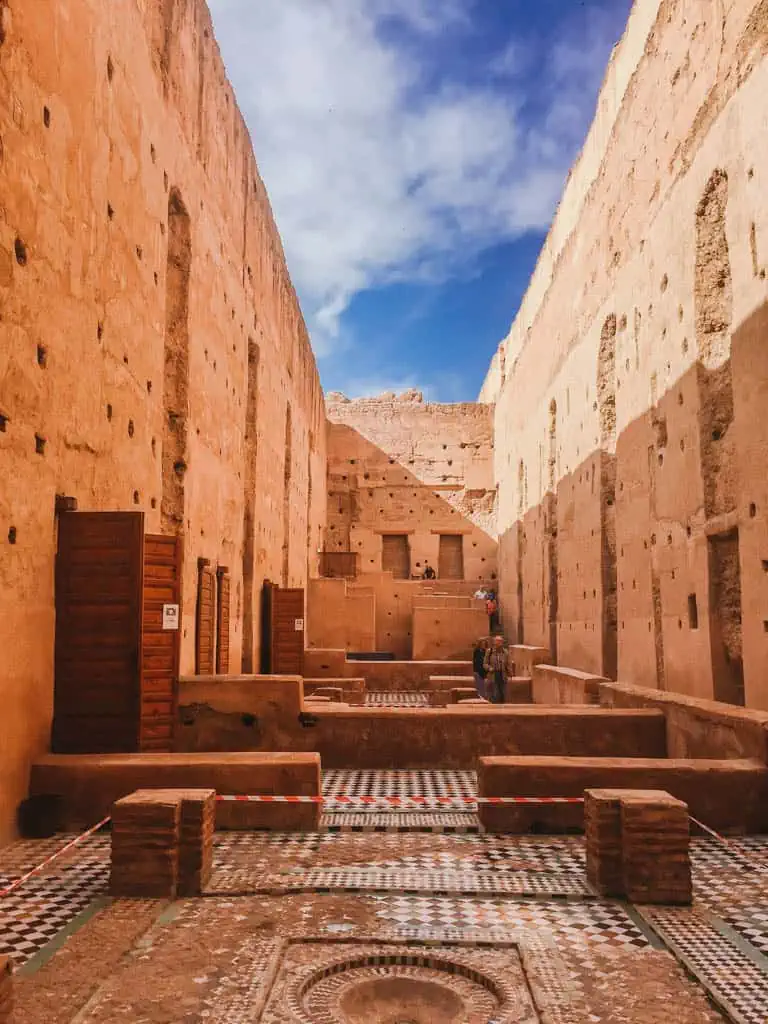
[[658, 554]]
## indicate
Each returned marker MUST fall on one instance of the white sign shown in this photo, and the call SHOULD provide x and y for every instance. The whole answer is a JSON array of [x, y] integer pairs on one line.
[[298, 625], [170, 616]]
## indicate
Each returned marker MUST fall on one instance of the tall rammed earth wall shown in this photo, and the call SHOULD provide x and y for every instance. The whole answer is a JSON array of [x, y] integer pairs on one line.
[[402, 466], [152, 352], [631, 394]]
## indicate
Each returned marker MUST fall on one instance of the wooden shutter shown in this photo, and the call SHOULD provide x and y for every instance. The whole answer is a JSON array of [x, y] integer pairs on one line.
[[287, 632], [450, 564], [160, 645], [396, 555], [205, 631], [99, 579], [222, 619]]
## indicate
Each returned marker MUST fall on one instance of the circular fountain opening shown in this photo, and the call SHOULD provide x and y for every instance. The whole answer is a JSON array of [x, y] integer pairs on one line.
[[401, 1000], [393, 990]]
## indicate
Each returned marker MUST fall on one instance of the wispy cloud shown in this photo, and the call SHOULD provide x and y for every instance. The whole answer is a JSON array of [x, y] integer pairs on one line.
[[377, 177]]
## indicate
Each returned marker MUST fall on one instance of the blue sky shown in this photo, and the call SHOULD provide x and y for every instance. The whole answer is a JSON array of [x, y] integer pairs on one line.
[[414, 152]]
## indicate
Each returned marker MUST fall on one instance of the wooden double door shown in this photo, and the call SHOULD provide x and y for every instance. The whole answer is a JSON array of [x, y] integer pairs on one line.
[[118, 622]]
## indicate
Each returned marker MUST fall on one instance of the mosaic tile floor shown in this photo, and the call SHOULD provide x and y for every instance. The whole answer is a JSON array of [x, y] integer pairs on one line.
[[425, 876]]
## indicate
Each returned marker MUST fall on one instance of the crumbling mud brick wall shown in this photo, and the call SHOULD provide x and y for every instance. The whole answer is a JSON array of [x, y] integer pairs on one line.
[[630, 428], [153, 354], [399, 467]]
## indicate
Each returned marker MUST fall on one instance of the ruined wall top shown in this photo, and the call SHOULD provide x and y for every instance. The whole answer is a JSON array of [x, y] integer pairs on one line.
[[625, 59]]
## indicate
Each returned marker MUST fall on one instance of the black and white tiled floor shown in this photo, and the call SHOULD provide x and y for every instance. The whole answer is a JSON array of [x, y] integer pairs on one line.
[[341, 782], [391, 699], [37, 912]]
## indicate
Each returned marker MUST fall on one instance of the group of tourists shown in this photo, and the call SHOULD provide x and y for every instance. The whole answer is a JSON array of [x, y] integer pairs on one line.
[[489, 664]]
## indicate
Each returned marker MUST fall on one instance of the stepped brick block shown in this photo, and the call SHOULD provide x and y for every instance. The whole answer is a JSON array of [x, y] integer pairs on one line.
[[146, 829], [6, 990], [602, 826], [196, 831], [655, 841]]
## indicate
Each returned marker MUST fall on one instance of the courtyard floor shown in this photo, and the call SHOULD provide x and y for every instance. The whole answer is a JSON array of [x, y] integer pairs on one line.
[[293, 924]]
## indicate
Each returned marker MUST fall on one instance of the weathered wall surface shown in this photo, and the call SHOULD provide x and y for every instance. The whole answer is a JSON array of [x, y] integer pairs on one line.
[[631, 437], [153, 354], [399, 466]]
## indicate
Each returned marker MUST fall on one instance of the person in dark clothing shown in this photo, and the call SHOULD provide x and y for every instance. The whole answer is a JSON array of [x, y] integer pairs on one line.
[[495, 666], [492, 607], [478, 666], [429, 572]]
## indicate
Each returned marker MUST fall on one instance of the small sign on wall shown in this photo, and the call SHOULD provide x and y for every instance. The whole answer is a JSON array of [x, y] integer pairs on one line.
[[170, 616], [298, 625]]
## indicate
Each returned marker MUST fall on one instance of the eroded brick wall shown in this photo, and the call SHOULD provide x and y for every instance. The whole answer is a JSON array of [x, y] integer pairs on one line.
[[630, 427], [153, 354]]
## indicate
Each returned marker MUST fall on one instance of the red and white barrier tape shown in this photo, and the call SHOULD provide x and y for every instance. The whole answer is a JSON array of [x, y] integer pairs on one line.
[[49, 860], [401, 801], [752, 863]]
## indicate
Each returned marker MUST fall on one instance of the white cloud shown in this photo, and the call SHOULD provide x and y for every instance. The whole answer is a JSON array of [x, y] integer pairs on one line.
[[373, 177]]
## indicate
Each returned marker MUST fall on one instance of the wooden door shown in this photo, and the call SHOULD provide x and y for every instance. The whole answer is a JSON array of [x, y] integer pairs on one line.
[[287, 632], [396, 555], [161, 637], [450, 565], [205, 627], [222, 619], [99, 581]]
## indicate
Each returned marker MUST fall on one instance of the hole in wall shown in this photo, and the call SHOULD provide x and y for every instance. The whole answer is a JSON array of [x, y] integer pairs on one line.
[[3, 423], [39, 444], [12, 535], [135, 497], [46, 117], [20, 250], [153, 503], [752, 510], [109, 412], [110, 69], [42, 356], [693, 612], [131, 428]]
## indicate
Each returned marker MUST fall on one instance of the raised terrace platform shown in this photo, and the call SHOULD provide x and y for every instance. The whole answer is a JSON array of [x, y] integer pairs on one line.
[[89, 784], [730, 796], [242, 714]]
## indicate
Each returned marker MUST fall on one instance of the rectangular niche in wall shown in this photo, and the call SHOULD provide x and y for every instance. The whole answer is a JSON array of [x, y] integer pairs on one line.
[[396, 555], [450, 565]]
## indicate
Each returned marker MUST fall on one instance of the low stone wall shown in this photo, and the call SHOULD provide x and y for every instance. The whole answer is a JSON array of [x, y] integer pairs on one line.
[[89, 784], [727, 795], [325, 663], [523, 659], [695, 727], [555, 685], [453, 737], [406, 676]]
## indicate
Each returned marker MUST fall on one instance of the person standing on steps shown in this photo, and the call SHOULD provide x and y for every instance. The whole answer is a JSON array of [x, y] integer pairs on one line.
[[492, 607], [495, 666], [478, 666]]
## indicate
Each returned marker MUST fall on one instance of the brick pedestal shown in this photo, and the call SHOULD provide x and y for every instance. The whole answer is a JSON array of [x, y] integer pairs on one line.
[[655, 832], [638, 845], [197, 827], [146, 829], [602, 827]]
